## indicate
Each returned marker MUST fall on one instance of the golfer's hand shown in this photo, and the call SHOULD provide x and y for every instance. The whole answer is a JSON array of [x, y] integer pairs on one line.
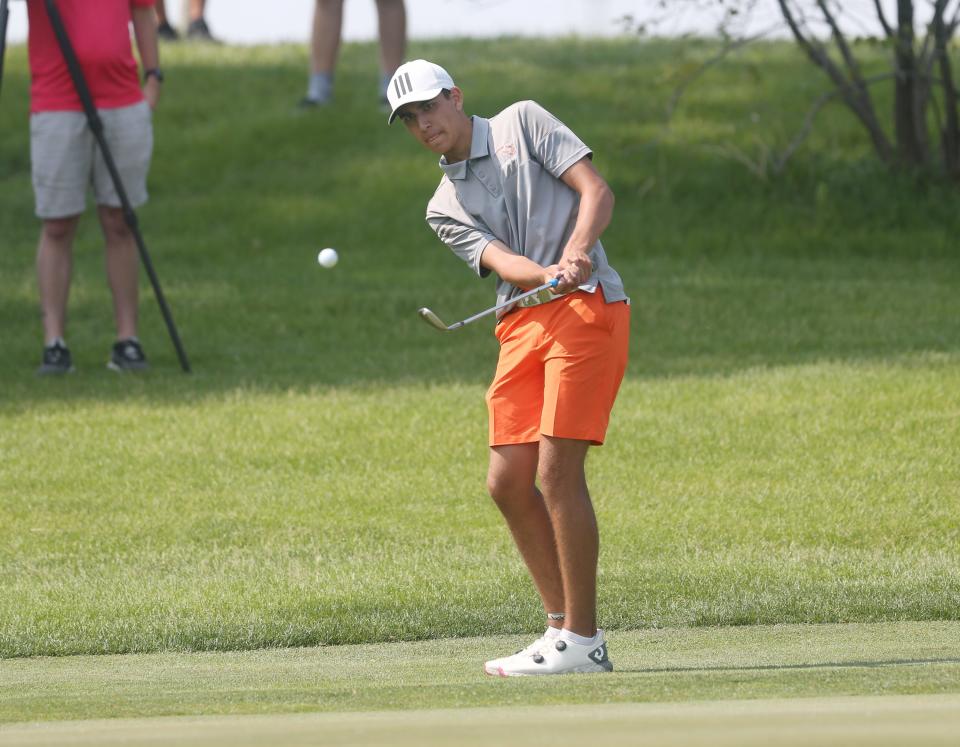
[[553, 272], [151, 91], [575, 269]]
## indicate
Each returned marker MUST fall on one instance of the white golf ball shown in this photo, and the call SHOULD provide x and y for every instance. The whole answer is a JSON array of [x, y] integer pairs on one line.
[[327, 257]]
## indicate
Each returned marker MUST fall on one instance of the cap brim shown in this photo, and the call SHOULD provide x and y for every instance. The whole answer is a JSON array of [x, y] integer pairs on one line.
[[411, 98]]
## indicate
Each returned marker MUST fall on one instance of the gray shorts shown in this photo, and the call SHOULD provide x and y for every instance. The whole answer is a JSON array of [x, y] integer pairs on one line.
[[66, 159]]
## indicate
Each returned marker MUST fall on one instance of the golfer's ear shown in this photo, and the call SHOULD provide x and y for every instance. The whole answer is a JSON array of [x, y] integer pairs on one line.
[[457, 95]]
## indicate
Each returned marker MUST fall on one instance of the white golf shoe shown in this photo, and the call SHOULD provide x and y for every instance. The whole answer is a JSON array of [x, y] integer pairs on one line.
[[554, 656], [550, 635]]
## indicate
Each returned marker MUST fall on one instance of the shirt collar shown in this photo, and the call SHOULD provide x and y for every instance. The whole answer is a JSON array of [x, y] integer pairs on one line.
[[479, 147]]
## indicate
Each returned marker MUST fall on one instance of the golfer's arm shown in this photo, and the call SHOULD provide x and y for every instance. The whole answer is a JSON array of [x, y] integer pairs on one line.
[[510, 266], [596, 206]]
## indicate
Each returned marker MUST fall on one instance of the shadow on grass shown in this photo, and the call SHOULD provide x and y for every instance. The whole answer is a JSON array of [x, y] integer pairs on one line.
[[785, 667]]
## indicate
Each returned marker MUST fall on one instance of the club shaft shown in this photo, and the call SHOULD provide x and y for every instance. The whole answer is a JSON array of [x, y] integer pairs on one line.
[[505, 304]]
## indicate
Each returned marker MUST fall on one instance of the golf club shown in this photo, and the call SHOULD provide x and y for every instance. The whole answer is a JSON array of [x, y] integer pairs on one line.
[[434, 321], [96, 126]]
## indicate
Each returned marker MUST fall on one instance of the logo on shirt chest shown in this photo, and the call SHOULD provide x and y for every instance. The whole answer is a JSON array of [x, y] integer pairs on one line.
[[506, 152]]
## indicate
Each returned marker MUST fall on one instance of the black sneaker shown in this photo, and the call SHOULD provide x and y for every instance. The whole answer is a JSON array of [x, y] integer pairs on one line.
[[56, 360], [199, 31], [166, 32], [127, 355], [306, 103]]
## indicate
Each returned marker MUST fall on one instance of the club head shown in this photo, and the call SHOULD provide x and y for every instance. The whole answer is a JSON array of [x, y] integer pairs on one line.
[[432, 319]]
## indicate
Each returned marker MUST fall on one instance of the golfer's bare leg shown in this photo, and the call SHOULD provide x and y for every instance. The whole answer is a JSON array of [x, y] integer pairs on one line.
[[392, 17], [325, 39], [511, 482], [54, 268], [123, 269], [564, 486]]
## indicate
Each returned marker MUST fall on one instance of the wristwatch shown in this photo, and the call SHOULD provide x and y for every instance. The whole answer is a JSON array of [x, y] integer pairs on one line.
[[155, 72]]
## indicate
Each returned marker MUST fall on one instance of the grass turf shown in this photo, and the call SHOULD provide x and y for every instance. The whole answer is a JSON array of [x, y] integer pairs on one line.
[[784, 448], [676, 665], [879, 721]]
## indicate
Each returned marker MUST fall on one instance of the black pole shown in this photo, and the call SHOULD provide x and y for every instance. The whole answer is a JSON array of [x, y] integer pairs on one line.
[[4, 14], [96, 125]]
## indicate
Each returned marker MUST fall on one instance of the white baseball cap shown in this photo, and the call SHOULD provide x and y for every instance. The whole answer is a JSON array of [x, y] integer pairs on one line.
[[417, 80]]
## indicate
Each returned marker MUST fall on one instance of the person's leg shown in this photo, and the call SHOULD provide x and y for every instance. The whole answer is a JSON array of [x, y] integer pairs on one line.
[[165, 29], [197, 28], [54, 268], [325, 38], [567, 501], [129, 135], [123, 269], [511, 482], [556, 531], [324, 48], [392, 19]]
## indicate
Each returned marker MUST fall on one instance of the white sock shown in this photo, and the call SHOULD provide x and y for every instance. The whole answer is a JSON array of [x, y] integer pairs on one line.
[[569, 635], [320, 87], [552, 633], [54, 341]]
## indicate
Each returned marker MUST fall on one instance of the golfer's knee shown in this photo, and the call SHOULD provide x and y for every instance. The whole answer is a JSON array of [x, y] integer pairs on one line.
[[505, 488], [554, 475]]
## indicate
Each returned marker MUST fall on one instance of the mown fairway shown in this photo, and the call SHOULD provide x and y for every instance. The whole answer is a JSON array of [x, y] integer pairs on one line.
[[786, 447]]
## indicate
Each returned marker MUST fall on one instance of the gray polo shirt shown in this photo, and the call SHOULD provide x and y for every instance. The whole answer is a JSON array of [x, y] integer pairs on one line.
[[510, 189]]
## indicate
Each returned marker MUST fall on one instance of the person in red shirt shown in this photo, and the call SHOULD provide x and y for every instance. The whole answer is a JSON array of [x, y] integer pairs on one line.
[[65, 159]]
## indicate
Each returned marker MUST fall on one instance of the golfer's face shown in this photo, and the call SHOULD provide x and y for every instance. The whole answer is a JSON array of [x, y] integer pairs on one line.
[[435, 123]]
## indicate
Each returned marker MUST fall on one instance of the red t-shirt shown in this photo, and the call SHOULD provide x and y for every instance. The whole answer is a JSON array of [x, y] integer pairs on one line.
[[99, 32]]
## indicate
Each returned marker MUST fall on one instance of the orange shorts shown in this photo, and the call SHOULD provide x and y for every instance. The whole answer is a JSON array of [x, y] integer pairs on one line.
[[560, 366]]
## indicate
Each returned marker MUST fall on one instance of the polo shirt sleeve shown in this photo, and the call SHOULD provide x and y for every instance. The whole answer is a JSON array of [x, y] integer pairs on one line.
[[466, 236], [550, 141]]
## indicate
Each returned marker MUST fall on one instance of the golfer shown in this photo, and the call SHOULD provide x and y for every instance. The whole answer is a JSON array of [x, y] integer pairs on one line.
[[520, 198]]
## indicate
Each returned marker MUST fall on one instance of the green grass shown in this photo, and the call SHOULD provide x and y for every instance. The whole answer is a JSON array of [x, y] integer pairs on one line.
[[655, 666], [878, 721], [785, 447], [339, 516]]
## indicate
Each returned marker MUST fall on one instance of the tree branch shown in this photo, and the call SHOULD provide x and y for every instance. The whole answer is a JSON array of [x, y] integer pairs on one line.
[[950, 132], [729, 48], [857, 103], [841, 41], [883, 19], [811, 115]]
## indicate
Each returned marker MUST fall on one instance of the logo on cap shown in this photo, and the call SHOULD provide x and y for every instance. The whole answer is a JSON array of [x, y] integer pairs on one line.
[[402, 84]]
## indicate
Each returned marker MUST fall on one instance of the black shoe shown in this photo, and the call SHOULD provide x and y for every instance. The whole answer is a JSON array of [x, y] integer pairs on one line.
[[56, 360], [307, 103], [127, 355], [199, 31], [166, 32]]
